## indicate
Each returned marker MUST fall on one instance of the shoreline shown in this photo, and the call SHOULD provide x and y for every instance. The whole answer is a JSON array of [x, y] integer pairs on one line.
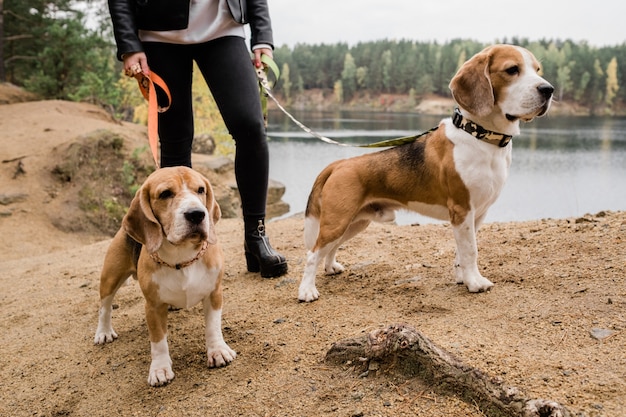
[[318, 100]]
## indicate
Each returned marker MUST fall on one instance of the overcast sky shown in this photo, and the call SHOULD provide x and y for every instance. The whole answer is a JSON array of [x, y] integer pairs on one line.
[[599, 22]]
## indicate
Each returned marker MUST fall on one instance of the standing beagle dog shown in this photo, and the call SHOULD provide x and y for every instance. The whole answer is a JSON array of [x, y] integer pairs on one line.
[[168, 242], [454, 173]]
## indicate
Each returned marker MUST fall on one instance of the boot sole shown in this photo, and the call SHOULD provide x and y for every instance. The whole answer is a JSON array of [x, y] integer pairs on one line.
[[269, 271]]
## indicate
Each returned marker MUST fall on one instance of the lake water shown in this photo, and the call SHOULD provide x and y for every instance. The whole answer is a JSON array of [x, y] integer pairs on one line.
[[562, 166]]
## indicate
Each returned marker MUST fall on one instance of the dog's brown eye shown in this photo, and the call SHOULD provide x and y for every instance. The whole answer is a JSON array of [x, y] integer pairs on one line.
[[165, 195], [514, 70], [201, 190]]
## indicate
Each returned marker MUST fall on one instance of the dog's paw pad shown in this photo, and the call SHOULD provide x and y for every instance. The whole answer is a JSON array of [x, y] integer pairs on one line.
[[160, 376], [335, 268], [307, 295], [221, 356], [481, 286], [104, 337]]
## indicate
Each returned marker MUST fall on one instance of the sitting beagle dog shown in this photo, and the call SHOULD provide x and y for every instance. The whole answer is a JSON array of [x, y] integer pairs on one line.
[[167, 241], [454, 172]]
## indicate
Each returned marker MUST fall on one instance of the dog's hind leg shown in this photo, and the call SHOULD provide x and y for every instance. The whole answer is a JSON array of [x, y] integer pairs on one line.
[[331, 266], [307, 291], [119, 264]]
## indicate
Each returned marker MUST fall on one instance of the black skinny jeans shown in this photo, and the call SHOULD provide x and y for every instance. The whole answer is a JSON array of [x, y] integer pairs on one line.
[[227, 68]]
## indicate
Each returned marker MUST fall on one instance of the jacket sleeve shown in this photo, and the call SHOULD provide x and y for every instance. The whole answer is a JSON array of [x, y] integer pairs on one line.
[[260, 23], [124, 27]]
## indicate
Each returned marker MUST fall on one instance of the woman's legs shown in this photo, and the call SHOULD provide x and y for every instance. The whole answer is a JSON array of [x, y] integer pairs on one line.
[[227, 68]]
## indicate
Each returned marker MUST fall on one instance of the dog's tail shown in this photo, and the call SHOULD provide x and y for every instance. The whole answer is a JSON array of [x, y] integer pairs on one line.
[[314, 207], [314, 204]]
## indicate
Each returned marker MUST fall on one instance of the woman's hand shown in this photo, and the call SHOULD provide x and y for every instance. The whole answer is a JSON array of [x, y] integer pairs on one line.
[[257, 56], [135, 63]]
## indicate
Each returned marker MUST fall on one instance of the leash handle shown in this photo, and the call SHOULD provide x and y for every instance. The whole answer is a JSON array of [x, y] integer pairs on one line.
[[268, 63], [264, 84], [147, 85]]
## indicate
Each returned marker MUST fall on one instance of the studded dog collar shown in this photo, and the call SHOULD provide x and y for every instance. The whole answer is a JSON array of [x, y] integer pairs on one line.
[[480, 133], [156, 258]]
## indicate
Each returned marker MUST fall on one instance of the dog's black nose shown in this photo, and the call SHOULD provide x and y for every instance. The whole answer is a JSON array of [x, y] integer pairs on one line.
[[546, 90], [194, 216]]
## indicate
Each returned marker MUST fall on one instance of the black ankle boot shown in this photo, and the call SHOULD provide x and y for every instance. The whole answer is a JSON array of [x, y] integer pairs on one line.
[[260, 256]]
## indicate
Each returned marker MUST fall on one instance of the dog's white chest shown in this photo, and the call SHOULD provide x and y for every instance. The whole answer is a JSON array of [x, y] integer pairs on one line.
[[483, 169], [184, 288]]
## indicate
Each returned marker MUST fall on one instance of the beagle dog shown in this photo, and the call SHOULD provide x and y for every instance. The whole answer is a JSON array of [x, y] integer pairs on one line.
[[168, 243], [454, 172]]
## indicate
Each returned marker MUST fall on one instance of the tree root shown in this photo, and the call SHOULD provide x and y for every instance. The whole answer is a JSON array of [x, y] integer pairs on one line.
[[416, 355]]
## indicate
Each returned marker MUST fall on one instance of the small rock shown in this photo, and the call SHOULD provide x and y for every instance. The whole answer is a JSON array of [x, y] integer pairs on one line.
[[600, 334]]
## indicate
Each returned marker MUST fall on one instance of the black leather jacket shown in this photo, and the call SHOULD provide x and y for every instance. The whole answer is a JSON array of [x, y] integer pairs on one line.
[[128, 16]]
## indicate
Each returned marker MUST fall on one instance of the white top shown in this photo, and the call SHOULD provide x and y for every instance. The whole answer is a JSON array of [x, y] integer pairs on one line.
[[208, 20]]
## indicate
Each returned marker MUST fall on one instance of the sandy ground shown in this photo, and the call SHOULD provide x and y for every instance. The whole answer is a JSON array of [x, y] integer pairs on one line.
[[553, 325]]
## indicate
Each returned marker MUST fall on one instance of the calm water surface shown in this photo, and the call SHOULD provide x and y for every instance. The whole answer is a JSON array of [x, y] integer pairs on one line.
[[562, 166]]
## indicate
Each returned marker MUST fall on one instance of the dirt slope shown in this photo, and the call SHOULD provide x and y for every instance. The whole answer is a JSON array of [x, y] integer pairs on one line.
[[557, 283]]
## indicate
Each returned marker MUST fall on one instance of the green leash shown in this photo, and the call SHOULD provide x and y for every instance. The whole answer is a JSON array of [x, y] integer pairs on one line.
[[265, 90]]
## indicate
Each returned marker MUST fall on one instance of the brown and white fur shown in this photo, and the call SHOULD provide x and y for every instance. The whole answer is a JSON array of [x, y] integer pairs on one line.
[[168, 242], [447, 174]]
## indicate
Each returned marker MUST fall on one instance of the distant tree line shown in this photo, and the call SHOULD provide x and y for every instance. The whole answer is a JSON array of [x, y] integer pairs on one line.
[[592, 77], [47, 47]]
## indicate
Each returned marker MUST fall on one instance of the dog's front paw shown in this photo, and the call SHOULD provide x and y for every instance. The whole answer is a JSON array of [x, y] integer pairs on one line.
[[478, 284], [220, 356], [308, 294], [334, 268], [104, 336], [160, 375]]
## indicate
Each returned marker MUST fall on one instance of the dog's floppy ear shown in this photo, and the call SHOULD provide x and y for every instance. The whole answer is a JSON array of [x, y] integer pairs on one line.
[[140, 222], [471, 86], [215, 213]]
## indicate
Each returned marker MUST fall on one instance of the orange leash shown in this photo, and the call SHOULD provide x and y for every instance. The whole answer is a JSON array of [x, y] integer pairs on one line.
[[147, 85]]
